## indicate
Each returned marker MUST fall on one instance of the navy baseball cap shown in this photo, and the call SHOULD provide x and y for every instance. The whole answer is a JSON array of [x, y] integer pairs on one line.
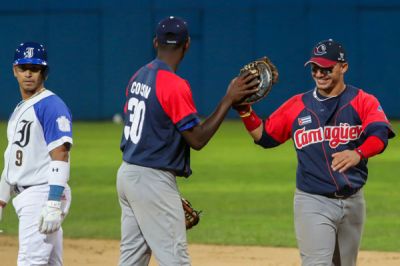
[[327, 53], [30, 53], [172, 30]]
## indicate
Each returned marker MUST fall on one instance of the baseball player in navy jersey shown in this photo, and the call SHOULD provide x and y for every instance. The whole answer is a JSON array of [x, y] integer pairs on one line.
[[335, 128], [161, 125], [36, 160]]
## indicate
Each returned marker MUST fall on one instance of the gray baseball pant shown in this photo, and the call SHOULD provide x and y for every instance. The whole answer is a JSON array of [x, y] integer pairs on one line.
[[328, 231], [152, 217]]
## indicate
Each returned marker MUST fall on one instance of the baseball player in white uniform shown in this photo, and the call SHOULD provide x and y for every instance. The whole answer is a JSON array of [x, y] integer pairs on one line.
[[36, 161]]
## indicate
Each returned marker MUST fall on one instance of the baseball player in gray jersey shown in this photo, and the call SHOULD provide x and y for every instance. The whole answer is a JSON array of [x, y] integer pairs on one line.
[[36, 161]]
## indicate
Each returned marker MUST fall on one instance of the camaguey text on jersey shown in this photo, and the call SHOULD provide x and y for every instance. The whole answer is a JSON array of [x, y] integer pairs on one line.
[[336, 135], [140, 89]]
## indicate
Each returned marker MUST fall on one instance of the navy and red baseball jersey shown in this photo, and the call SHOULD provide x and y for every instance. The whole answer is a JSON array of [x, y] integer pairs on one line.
[[159, 106], [320, 127]]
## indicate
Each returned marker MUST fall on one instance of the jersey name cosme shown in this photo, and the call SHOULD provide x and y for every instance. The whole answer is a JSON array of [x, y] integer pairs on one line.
[[140, 89]]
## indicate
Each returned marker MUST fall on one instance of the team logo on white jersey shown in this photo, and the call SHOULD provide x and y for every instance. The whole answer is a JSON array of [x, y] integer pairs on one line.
[[29, 52], [64, 124], [25, 133], [336, 135]]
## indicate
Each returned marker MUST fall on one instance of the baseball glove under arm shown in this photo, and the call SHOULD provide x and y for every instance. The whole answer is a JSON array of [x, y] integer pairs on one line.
[[266, 72], [192, 216]]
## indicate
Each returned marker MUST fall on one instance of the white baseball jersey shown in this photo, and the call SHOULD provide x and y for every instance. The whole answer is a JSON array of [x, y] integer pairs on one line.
[[37, 126]]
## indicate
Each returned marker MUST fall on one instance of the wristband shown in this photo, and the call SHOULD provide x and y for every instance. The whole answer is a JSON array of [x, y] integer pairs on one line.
[[55, 192], [245, 113], [371, 146], [359, 152], [251, 121]]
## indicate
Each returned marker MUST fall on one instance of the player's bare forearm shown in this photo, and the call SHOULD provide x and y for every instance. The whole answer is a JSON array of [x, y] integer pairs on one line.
[[198, 136], [60, 153], [239, 88], [344, 160], [257, 133]]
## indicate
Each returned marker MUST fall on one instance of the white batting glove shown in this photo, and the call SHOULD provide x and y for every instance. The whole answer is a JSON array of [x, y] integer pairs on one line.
[[51, 217]]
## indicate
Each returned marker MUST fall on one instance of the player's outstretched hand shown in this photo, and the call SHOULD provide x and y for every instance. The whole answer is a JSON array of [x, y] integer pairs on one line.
[[344, 160], [241, 87], [51, 217]]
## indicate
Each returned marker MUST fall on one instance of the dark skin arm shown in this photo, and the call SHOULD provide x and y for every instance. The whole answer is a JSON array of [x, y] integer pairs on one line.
[[239, 88]]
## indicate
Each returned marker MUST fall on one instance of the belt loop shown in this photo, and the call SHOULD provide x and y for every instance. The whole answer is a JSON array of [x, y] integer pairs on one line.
[[18, 189], [337, 195]]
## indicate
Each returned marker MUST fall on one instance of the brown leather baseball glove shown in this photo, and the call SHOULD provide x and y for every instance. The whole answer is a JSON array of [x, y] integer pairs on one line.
[[192, 216], [266, 72]]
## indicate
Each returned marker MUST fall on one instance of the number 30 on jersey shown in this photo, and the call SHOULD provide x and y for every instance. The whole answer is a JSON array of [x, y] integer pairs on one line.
[[136, 110]]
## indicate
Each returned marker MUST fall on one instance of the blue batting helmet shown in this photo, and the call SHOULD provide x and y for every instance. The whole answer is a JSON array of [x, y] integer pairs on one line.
[[30, 53]]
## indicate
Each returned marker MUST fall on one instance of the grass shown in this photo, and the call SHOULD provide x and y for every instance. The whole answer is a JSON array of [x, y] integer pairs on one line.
[[245, 192]]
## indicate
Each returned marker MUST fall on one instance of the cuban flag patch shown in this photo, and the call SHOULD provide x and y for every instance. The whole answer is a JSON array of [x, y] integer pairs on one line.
[[304, 120]]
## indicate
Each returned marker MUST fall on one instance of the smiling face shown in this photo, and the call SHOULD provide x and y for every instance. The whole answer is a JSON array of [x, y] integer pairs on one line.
[[329, 80], [30, 78]]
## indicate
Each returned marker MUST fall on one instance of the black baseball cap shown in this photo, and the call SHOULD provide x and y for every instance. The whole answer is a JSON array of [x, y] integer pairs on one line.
[[327, 53], [172, 30]]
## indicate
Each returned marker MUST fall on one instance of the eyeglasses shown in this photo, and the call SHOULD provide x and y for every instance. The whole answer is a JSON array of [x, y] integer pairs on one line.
[[323, 70]]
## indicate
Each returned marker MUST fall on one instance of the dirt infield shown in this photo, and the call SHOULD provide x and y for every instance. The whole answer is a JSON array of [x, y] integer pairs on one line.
[[86, 252]]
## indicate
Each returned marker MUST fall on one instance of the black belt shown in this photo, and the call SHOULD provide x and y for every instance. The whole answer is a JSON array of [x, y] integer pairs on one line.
[[19, 189], [341, 195]]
